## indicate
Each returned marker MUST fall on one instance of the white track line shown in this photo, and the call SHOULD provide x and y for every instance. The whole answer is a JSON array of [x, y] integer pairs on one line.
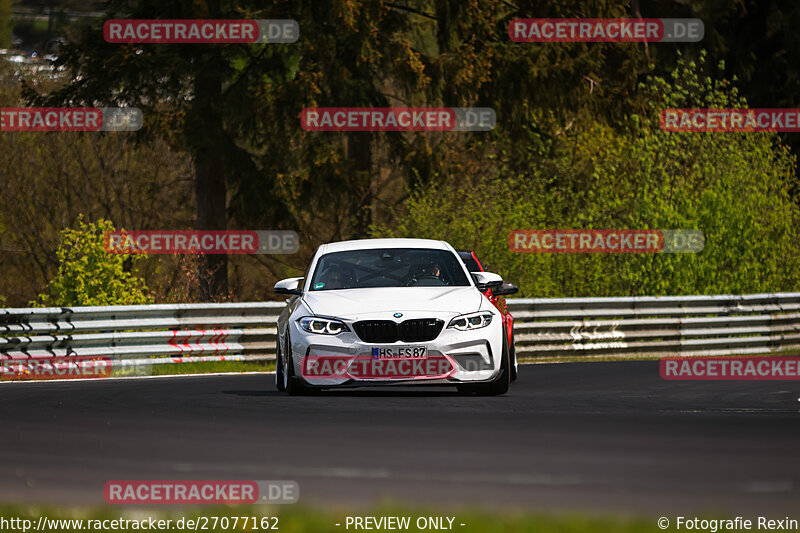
[[125, 378]]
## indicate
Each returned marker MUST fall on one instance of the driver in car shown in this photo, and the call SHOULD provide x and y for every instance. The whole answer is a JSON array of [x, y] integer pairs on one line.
[[433, 270], [427, 272], [336, 278]]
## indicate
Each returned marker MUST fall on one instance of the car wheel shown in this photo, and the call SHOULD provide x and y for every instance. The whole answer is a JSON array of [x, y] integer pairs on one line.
[[499, 385], [293, 385], [280, 374]]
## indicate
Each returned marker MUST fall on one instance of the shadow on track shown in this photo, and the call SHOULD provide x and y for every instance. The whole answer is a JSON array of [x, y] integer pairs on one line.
[[363, 392]]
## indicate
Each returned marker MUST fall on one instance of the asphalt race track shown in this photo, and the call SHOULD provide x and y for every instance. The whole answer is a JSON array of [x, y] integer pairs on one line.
[[588, 436]]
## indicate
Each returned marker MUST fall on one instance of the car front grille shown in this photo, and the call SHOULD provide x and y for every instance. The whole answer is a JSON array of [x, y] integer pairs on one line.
[[381, 331], [376, 330], [420, 330]]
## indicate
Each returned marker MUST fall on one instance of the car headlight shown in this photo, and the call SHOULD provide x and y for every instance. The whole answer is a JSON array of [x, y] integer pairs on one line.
[[471, 321], [322, 326]]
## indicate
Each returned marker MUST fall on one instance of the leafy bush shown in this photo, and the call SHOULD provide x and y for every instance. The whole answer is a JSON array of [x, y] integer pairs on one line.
[[88, 275], [731, 186]]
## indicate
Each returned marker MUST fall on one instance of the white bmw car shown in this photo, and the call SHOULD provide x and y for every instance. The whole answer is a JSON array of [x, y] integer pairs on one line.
[[387, 312]]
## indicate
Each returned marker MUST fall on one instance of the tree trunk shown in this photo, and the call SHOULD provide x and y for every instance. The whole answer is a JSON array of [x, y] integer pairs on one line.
[[210, 188], [359, 149]]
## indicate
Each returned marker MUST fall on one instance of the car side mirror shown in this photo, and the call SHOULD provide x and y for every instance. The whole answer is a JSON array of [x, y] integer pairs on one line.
[[486, 280], [289, 286], [505, 289]]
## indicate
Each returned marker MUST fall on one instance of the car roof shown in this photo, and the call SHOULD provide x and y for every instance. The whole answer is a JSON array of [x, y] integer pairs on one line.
[[367, 244]]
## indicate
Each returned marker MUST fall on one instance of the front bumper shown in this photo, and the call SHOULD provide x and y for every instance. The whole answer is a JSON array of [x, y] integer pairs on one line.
[[471, 356]]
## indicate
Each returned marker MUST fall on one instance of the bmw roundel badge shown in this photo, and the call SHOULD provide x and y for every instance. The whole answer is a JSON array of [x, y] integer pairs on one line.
[[397, 315]]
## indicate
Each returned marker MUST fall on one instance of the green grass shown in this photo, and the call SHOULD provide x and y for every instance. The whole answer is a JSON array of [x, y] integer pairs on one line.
[[605, 358], [295, 519], [213, 367]]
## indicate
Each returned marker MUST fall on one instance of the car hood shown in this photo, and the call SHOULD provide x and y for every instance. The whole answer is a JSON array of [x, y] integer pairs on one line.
[[355, 303]]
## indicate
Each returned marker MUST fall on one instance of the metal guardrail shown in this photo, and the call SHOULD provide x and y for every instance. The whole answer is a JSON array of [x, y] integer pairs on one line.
[[151, 333], [661, 326], [671, 325]]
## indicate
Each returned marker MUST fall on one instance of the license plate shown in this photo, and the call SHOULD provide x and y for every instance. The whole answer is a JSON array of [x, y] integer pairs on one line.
[[400, 352]]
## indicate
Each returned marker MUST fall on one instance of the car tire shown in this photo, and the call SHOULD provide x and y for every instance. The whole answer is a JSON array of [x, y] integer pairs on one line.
[[294, 385], [497, 386], [280, 384]]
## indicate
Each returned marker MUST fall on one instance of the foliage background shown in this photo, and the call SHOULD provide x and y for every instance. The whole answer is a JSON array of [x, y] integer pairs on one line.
[[577, 143]]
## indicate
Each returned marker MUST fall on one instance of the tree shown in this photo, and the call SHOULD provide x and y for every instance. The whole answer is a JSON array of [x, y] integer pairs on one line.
[[198, 98], [756, 39], [48, 179], [235, 109], [5, 23], [733, 187]]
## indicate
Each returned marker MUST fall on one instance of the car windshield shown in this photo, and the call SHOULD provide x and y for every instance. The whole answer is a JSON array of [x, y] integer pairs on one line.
[[388, 267]]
